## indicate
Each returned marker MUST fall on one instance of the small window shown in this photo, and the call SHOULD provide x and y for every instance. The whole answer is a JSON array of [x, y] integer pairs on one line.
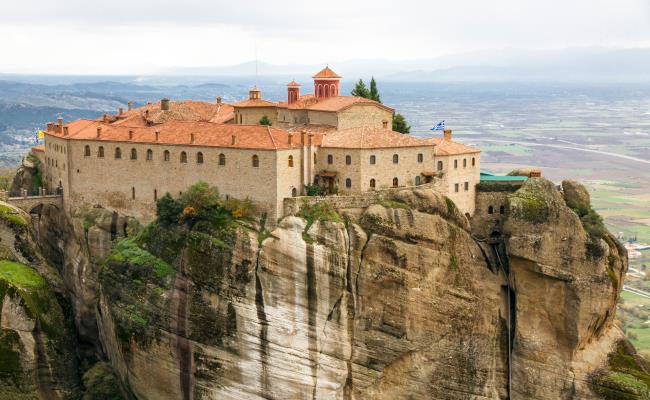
[[466, 186], [118, 153], [456, 187], [149, 154], [294, 192], [464, 163], [455, 164], [155, 195], [314, 158], [417, 180], [348, 183], [439, 165], [395, 182], [222, 159], [132, 193], [100, 152], [199, 158], [348, 160], [290, 162], [372, 183], [134, 154], [490, 210], [502, 210], [183, 157], [87, 151], [166, 155], [373, 160], [330, 159], [395, 158], [256, 161], [420, 157], [473, 162]]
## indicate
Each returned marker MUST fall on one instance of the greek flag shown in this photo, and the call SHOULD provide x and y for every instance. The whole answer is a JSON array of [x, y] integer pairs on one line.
[[440, 126]]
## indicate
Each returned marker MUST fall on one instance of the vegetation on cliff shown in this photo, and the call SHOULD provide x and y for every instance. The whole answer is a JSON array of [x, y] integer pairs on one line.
[[627, 376], [577, 199], [322, 211]]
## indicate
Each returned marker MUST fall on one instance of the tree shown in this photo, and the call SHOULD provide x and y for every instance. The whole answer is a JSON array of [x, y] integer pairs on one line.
[[168, 210], [374, 93], [360, 90], [265, 121], [399, 124]]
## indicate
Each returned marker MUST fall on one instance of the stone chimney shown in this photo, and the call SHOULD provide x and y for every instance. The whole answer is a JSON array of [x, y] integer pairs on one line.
[[164, 104], [447, 134], [120, 111], [105, 117], [535, 173], [65, 131], [130, 134], [255, 93], [234, 140], [219, 100], [129, 105], [59, 121], [99, 131], [50, 126], [146, 114], [191, 138], [157, 136]]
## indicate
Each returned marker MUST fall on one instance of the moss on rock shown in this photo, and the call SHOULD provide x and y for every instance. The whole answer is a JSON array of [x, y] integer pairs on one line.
[[626, 378]]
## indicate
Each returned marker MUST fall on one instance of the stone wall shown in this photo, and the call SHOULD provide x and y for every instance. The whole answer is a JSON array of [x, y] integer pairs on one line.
[[459, 170], [490, 214], [364, 115]]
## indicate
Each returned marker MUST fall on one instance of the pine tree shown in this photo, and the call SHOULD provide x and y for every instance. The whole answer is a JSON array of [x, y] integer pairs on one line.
[[360, 90], [374, 93], [399, 124], [265, 121]]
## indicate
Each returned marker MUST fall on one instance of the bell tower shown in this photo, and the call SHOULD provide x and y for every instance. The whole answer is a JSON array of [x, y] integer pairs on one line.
[[326, 83], [293, 92]]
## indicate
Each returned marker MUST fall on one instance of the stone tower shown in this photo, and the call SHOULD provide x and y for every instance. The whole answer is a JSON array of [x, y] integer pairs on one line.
[[326, 83]]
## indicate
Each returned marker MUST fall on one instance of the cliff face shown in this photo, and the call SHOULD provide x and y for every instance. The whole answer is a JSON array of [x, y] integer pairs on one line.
[[401, 302]]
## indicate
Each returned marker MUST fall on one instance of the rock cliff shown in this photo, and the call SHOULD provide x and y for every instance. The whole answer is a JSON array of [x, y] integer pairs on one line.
[[403, 300]]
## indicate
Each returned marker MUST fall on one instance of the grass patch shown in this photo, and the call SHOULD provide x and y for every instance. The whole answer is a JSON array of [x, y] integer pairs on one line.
[[395, 204], [20, 275], [89, 221], [321, 211], [12, 217], [128, 251]]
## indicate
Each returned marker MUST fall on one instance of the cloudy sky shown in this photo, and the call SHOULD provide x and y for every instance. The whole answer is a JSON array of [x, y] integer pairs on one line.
[[146, 36]]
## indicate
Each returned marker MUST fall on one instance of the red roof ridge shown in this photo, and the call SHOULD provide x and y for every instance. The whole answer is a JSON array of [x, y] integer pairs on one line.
[[326, 73]]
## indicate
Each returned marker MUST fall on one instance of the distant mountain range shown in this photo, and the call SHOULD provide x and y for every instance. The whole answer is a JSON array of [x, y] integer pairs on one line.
[[566, 65]]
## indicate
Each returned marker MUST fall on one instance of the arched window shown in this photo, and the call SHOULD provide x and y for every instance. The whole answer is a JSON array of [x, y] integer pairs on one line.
[[222, 159], [464, 163], [473, 161], [348, 160], [199, 158], [490, 210], [373, 159], [372, 183], [439, 165], [455, 164], [118, 153], [330, 159], [256, 161], [149, 154], [502, 210], [348, 183], [314, 158], [133, 193], [417, 180], [290, 162], [166, 155], [395, 159], [100, 152], [420, 157], [134, 154], [294, 192], [183, 157], [87, 151], [395, 182]]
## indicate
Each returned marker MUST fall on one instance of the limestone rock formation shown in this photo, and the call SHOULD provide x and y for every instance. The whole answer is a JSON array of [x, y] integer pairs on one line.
[[28, 177]]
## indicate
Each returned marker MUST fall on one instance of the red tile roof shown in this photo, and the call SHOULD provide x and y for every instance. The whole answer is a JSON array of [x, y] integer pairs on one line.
[[293, 83], [184, 110], [450, 148], [332, 104], [255, 103], [371, 138], [39, 148], [326, 73], [179, 133]]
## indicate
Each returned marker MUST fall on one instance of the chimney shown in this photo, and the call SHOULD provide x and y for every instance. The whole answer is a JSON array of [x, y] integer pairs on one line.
[[447, 134], [50, 126], [164, 104], [105, 117], [146, 114], [130, 134], [535, 173], [290, 138], [129, 105], [219, 100], [99, 131], [65, 131], [120, 111], [157, 136], [254, 93], [234, 140], [60, 121], [191, 138]]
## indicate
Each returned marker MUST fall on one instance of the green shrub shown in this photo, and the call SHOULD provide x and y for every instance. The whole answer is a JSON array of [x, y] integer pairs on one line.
[[321, 211], [168, 210], [313, 190]]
